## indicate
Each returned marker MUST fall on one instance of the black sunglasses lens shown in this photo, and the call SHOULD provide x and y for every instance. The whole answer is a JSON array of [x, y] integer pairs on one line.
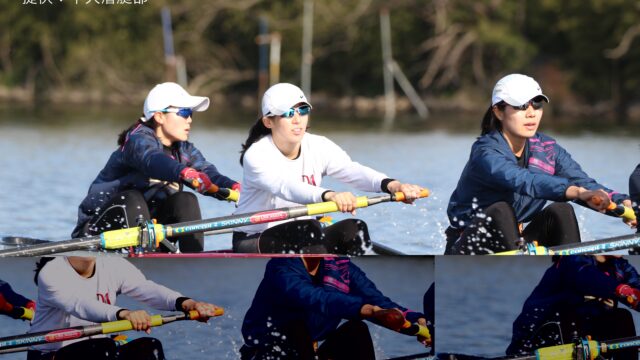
[[537, 104]]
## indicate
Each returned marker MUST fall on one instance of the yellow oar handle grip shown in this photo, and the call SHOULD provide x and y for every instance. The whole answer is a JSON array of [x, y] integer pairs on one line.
[[399, 196], [233, 196], [628, 214], [195, 315], [422, 330], [27, 314]]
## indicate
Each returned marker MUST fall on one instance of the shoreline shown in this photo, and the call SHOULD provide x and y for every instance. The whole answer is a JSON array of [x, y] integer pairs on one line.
[[460, 103]]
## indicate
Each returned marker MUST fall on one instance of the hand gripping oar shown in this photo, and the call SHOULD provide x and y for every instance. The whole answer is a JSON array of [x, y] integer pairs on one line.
[[149, 236], [619, 210], [394, 319], [584, 248], [224, 193], [77, 332]]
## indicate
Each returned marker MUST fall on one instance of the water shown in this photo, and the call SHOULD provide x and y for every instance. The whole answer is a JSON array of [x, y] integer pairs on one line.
[[47, 166], [479, 297], [231, 283]]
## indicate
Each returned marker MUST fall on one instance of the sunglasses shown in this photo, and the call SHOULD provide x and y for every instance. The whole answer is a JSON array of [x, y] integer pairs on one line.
[[535, 104], [183, 112], [302, 110]]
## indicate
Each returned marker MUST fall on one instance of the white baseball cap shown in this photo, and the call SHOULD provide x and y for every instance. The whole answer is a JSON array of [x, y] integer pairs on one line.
[[281, 97], [171, 94], [516, 90]]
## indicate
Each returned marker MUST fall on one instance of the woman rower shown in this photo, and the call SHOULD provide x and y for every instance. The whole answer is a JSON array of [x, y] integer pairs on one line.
[[144, 177], [579, 296], [512, 172], [284, 166], [301, 301], [78, 291]]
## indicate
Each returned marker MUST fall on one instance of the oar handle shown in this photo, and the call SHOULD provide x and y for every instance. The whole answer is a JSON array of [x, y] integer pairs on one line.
[[227, 194], [618, 210], [416, 329], [361, 201], [27, 314], [399, 196]]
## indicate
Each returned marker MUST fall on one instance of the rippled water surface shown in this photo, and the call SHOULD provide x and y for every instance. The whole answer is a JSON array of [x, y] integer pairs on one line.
[[47, 166]]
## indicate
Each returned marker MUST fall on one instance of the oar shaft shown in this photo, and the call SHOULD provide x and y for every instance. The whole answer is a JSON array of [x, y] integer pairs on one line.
[[155, 233], [88, 243], [598, 246], [626, 343], [78, 332]]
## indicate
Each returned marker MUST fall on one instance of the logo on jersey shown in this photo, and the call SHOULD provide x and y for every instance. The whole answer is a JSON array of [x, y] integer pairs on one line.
[[103, 298], [309, 179]]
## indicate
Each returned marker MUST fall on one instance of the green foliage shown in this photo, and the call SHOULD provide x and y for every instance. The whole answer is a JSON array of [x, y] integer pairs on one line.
[[443, 46]]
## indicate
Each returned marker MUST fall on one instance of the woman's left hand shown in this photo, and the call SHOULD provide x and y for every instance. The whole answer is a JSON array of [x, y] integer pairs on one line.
[[411, 192], [205, 310]]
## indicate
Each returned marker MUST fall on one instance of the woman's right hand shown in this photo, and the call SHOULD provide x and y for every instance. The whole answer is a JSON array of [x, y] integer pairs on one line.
[[140, 319], [596, 199], [346, 201], [368, 310]]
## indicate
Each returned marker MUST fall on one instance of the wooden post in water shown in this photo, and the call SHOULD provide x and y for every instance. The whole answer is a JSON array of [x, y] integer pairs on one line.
[[392, 70], [389, 94], [307, 41], [261, 40], [175, 68], [275, 41]]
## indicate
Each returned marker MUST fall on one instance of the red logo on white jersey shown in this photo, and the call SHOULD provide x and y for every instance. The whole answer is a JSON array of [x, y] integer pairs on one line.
[[309, 179], [104, 298]]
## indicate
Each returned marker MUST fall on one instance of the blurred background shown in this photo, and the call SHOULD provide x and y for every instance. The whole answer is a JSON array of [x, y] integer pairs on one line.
[[450, 52], [400, 85]]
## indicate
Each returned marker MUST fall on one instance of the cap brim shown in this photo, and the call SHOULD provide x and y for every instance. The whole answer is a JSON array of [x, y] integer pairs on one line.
[[195, 103]]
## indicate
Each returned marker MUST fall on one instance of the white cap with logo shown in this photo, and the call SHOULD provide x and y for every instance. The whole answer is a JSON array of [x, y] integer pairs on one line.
[[281, 97], [171, 94], [516, 90]]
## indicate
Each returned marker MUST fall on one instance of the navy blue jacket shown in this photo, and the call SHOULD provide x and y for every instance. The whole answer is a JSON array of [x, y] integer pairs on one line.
[[139, 164], [634, 186], [492, 174], [288, 294], [11, 296], [564, 287]]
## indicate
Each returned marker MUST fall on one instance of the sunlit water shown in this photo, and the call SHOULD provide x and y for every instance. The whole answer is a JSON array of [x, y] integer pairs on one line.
[[231, 283], [479, 297], [46, 171]]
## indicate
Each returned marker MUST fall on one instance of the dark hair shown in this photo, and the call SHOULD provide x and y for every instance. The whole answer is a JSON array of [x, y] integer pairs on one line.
[[490, 122], [39, 265], [257, 132], [122, 137]]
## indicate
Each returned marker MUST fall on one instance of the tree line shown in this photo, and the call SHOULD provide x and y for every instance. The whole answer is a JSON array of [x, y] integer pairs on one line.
[[584, 52]]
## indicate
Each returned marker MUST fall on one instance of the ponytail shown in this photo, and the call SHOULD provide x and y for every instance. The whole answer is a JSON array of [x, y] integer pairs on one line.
[[122, 137], [39, 265], [490, 122], [257, 132]]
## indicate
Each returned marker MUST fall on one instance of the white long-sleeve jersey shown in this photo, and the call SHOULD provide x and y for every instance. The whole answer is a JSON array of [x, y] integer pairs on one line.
[[66, 299], [272, 181]]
